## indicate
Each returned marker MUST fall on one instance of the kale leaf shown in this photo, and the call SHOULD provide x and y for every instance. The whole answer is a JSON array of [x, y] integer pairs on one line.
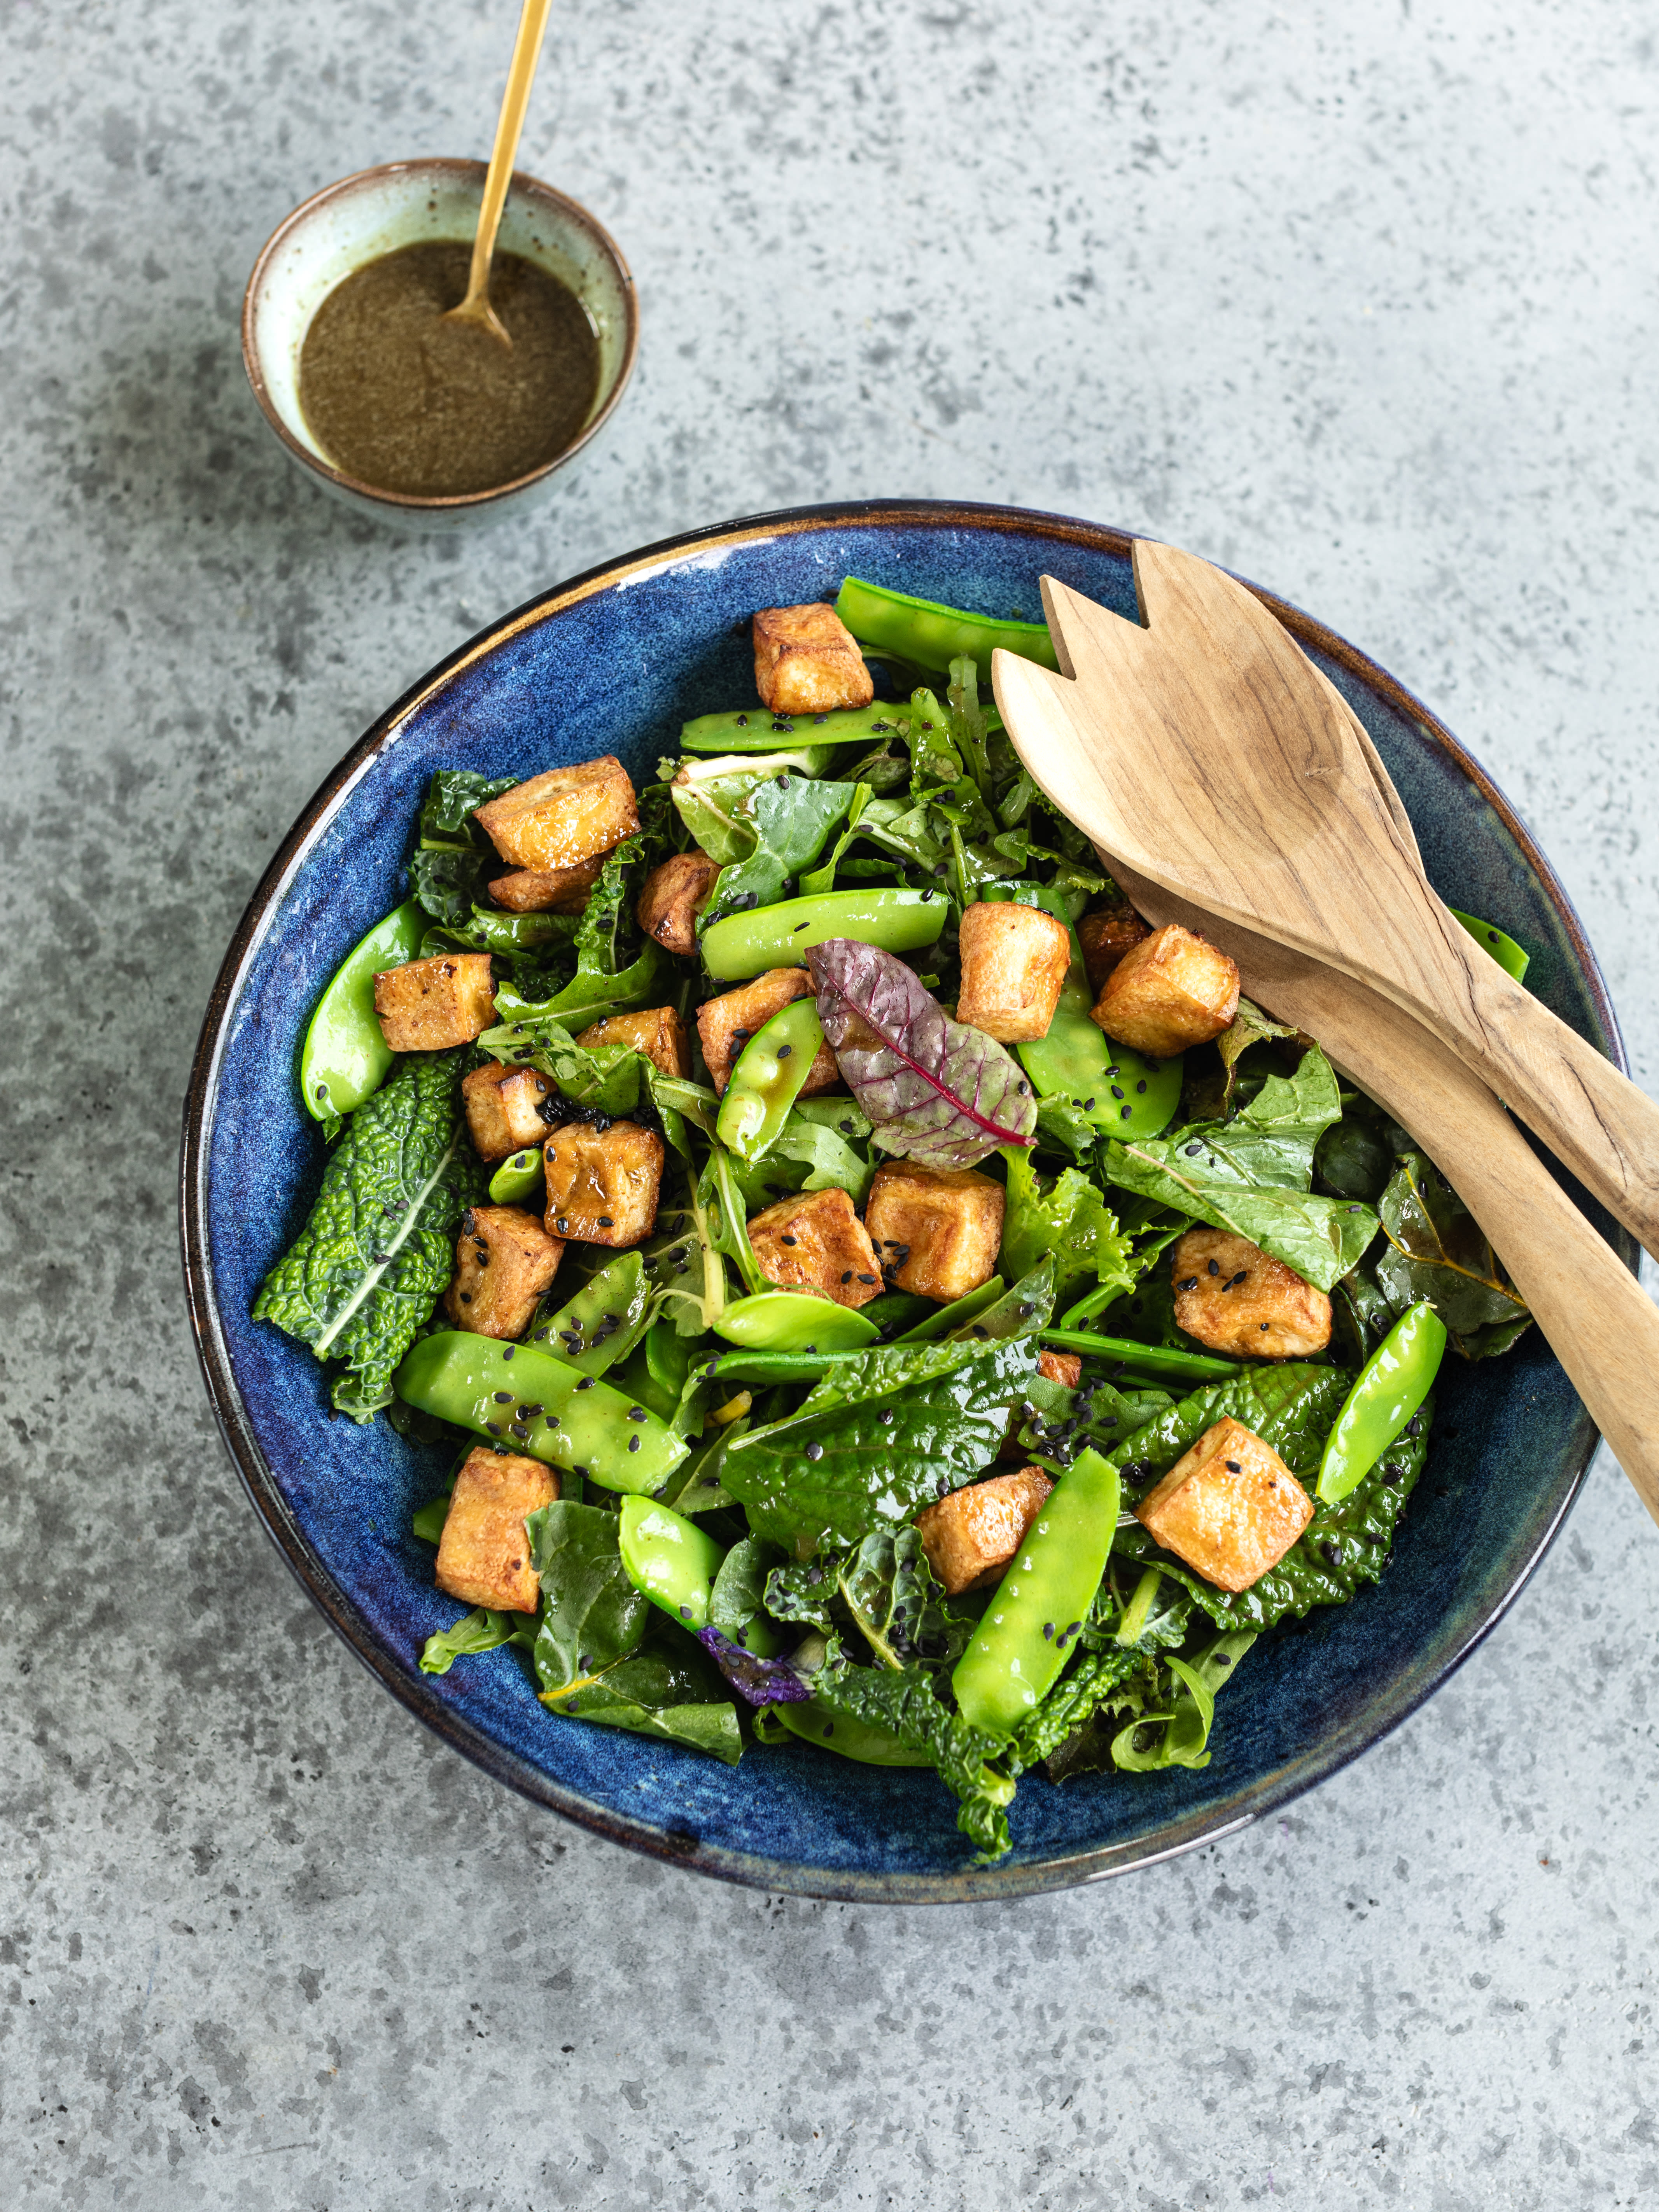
[[905, 1703], [378, 1249], [884, 1587], [449, 867], [1435, 1250]]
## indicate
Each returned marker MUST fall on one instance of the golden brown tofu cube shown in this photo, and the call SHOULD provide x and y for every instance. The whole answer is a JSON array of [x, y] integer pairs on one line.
[[674, 896], [1014, 960], [1230, 1509], [565, 817], [504, 1260], [547, 890], [660, 1035], [726, 1025], [484, 1554], [1106, 935], [814, 1241], [936, 1230], [426, 1005], [1234, 1297], [971, 1536], [1172, 990], [504, 1109], [602, 1184], [807, 661], [1065, 1368]]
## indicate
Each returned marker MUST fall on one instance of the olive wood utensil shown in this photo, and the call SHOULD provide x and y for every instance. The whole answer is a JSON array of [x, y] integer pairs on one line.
[[527, 50], [1600, 1322], [1209, 754]]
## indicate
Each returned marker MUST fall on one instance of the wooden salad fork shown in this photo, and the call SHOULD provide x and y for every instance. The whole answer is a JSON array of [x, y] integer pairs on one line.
[[1600, 1322], [1209, 755]]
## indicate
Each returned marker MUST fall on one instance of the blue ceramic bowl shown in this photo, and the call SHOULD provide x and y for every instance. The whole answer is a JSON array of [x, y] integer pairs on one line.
[[614, 662]]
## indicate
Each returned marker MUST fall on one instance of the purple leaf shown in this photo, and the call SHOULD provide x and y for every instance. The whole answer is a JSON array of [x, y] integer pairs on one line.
[[761, 1681], [937, 1091]]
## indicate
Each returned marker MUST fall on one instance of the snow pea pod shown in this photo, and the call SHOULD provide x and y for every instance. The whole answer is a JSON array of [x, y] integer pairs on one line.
[[770, 1367], [944, 1320], [345, 1057], [1392, 1384], [872, 1746], [1145, 1358], [757, 730], [1078, 1064], [519, 1177], [520, 1397], [786, 1320], [669, 1559], [742, 946], [932, 635], [766, 1080], [1025, 1637], [605, 1319], [1514, 959]]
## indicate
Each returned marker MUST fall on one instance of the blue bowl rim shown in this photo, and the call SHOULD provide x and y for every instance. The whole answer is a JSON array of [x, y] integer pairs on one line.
[[973, 1884]]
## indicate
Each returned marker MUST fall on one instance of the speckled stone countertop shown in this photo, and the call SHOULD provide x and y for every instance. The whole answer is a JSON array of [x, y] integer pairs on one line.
[[1359, 302]]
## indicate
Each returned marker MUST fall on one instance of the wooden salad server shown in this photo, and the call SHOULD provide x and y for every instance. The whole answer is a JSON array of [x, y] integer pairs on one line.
[[520, 74], [1600, 1322], [1207, 751]]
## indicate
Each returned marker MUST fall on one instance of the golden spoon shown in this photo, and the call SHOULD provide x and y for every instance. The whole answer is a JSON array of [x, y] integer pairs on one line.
[[527, 50]]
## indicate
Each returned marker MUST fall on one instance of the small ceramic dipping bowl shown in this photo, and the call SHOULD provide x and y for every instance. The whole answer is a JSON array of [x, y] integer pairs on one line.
[[403, 203]]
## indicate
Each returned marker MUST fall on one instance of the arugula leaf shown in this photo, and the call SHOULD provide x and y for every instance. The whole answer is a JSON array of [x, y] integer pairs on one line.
[[1437, 1251], [934, 1090], [789, 818], [1069, 1221], [809, 1153], [880, 1435], [378, 1249], [479, 1630], [609, 1078], [905, 1703], [1179, 1734]]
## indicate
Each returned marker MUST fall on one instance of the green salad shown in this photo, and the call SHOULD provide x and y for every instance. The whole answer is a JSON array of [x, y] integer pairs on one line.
[[877, 1294]]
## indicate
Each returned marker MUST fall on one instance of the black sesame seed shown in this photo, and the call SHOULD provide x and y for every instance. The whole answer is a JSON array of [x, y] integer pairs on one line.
[[1187, 1283], [518, 1428], [1215, 1267], [605, 1221], [784, 1050], [1124, 1112], [867, 1278], [1264, 1324], [1114, 1070], [507, 1351], [1048, 1631], [1233, 1466], [847, 1276], [815, 1449], [503, 1397], [586, 1382], [1116, 1093], [1190, 1150], [637, 1413], [925, 895], [581, 1471], [633, 1444], [846, 1128], [786, 1240], [1140, 1087], [466, 1298]]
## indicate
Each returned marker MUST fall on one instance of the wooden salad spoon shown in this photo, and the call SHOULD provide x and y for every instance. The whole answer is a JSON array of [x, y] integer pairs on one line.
[[527, 50], [1600, 1322], [1207, 751]]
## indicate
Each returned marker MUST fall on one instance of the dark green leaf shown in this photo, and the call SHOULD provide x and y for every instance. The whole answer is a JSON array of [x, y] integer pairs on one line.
[[1094, 1685], [1068, 1221], [1436, 1251], [789, 818], [671, 1694], [1250, 1026], [905, 1704], [591, 1614]]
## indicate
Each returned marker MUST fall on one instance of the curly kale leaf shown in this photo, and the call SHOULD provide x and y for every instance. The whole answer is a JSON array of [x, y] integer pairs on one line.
[[906, 1704], [1095, 1685], [884, 1587], [450, 865], [367, 1270]]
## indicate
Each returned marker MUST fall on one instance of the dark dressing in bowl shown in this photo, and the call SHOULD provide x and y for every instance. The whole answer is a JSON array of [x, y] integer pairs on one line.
[[402, 400]]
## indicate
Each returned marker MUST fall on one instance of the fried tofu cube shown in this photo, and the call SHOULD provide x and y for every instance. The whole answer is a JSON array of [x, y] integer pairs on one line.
[[936, 1230], [1172, 990], [484, 1554], [559, 819], [674, 895], [426, 1005], [1014, 959], [602, 1184], [504, 1260], [547, 890], [1065, 1368], [726, 1025], [813, 1240], [1234, 1297], [660, 1035], [1230, 1509], [807, 661], [504, 1109], [970, 1537], [1105, 936]]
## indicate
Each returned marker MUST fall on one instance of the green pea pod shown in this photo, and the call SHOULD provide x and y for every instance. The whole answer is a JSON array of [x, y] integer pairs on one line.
[[959, 1314], [605, 1320], [787, 1321], [345, 1057], [757, 730], [746, 945], [1145, 1358], [767, 1078], [517, 1178], [1078, 1064], [771, 1367], [669, 1559], [1514, 959], [871, 1746], [933, 636], [1392, 1384], [1026, 1634], [520, 1397]]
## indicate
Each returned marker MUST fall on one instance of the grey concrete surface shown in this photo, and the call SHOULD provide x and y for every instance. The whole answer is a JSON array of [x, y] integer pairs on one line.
[[1359, 299]]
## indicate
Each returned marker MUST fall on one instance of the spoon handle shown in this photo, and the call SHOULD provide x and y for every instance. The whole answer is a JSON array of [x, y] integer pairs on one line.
[[1600, 1322], [521, 72]]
